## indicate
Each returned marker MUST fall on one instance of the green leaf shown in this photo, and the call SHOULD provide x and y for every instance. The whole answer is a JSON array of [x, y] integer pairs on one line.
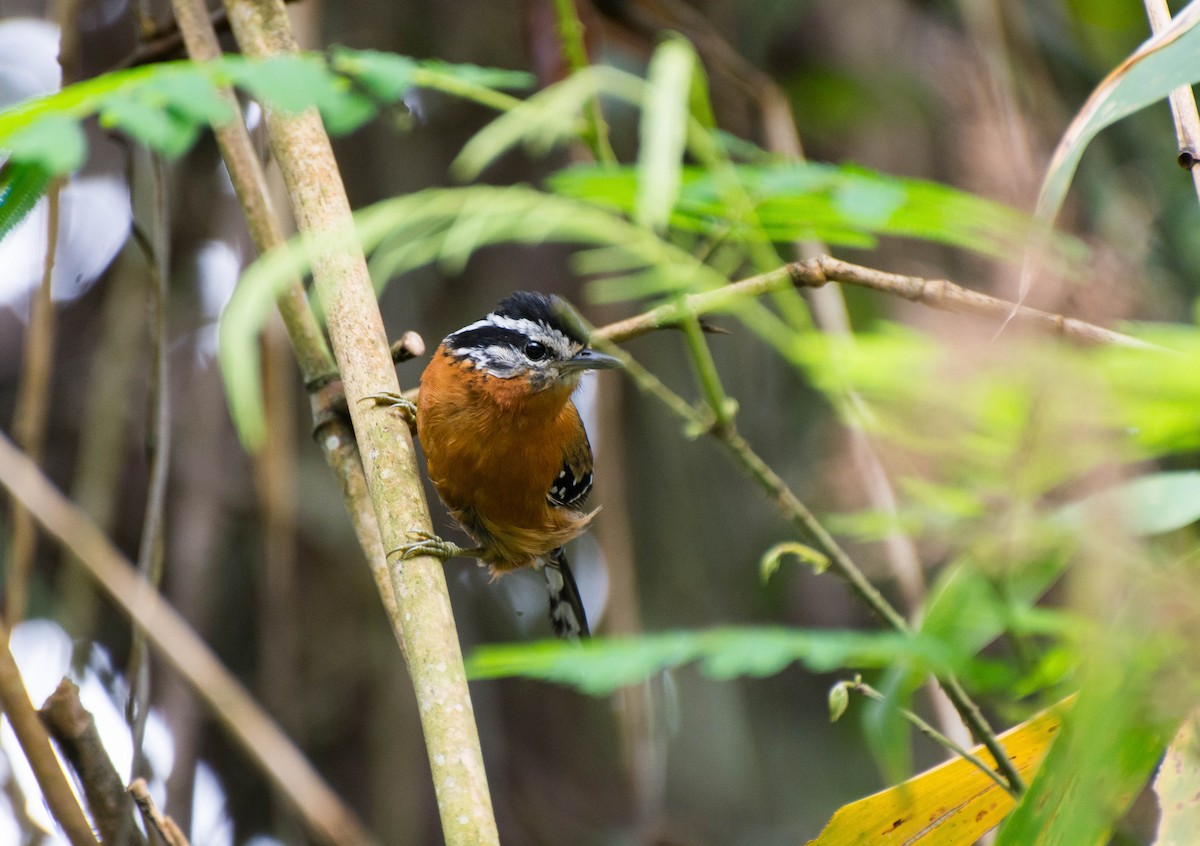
[[55, 144], [287, 83], [963, 607], [887, 732], [1148, 505], [602, 665], [838, 204], [663, 131], [547, 119], [295, 83], [452, 77], [1157, 394], [385, 75], [773, 558], [149, 122], [839, 700], [22, 185], [191, 93]]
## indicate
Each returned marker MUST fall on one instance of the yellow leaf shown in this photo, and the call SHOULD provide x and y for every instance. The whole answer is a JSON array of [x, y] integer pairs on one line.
[[953, 803]]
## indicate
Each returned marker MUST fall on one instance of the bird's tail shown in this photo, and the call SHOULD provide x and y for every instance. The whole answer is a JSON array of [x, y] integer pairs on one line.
[[566, 605]]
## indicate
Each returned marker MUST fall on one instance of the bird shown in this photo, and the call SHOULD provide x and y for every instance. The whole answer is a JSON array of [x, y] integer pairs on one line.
[[505, 447]]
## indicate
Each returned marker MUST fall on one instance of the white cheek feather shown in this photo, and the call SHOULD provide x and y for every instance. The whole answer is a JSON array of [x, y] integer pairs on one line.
[[504, 361]]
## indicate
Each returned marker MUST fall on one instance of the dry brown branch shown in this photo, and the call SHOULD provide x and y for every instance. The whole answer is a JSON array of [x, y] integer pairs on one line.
[[31, 734], [73, 729], [245, 720], [162, 828], [941, 294]]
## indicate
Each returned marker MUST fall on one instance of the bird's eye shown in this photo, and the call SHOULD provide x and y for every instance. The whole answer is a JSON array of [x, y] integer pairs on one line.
[[536, 351]]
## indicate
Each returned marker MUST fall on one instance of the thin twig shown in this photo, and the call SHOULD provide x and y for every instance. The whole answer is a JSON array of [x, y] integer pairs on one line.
[[164, 828], [937, 293], [936, 736], [706, 372], [74, 730], [795, 511], [155, 246], [178, 644], [29, 419], [31, 734]]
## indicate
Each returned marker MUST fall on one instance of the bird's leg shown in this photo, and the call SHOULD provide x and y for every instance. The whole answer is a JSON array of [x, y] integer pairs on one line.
[[406, 407], [433, 546]]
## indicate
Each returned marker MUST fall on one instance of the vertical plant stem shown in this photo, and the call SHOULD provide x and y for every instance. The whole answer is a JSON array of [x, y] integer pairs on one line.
[[310, 173], [105, 406], [156, 247], [35, 743], [571, 35], [1183, 102], [29, 419], [706, 371]]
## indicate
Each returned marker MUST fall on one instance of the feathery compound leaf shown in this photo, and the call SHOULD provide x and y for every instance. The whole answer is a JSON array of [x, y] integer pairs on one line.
[[663, 132], [167, 104], [601, 665], [21, 187], [838, 204], [548, 118], [55, 145]]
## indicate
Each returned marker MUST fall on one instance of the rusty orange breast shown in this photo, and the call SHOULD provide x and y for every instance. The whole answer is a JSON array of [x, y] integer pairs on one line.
[[493, 448]]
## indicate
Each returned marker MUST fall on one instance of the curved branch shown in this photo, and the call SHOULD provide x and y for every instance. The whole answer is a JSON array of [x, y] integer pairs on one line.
[[941, 294]]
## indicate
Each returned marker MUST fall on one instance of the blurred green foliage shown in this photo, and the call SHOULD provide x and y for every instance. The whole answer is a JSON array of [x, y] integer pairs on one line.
[[998, 443]]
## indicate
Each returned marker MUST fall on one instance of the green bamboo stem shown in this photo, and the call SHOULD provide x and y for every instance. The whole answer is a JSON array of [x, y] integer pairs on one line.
[[340, 276]]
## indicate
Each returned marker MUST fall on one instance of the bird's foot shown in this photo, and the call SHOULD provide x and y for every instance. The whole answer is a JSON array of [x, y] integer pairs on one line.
[[406, 407], [433, 546]]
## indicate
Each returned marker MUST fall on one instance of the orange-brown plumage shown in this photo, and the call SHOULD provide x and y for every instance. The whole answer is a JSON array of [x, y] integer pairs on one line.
[[505, 446], [493, 449]]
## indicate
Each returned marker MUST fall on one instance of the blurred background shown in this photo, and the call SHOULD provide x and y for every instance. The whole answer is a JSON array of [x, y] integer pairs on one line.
[[259, 554]]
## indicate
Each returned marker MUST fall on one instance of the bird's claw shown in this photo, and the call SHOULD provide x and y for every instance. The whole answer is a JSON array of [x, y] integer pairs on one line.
[[426, 544], [406, 407]]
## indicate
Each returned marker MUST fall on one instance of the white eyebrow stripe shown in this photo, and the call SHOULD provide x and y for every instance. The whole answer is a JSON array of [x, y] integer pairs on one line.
[[565, 347]]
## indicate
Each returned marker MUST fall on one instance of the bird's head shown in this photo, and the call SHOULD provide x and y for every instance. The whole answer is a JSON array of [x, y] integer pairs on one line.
[[528, 337]]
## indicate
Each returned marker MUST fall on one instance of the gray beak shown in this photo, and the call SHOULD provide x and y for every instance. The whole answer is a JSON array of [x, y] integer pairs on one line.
[[588, 359]]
